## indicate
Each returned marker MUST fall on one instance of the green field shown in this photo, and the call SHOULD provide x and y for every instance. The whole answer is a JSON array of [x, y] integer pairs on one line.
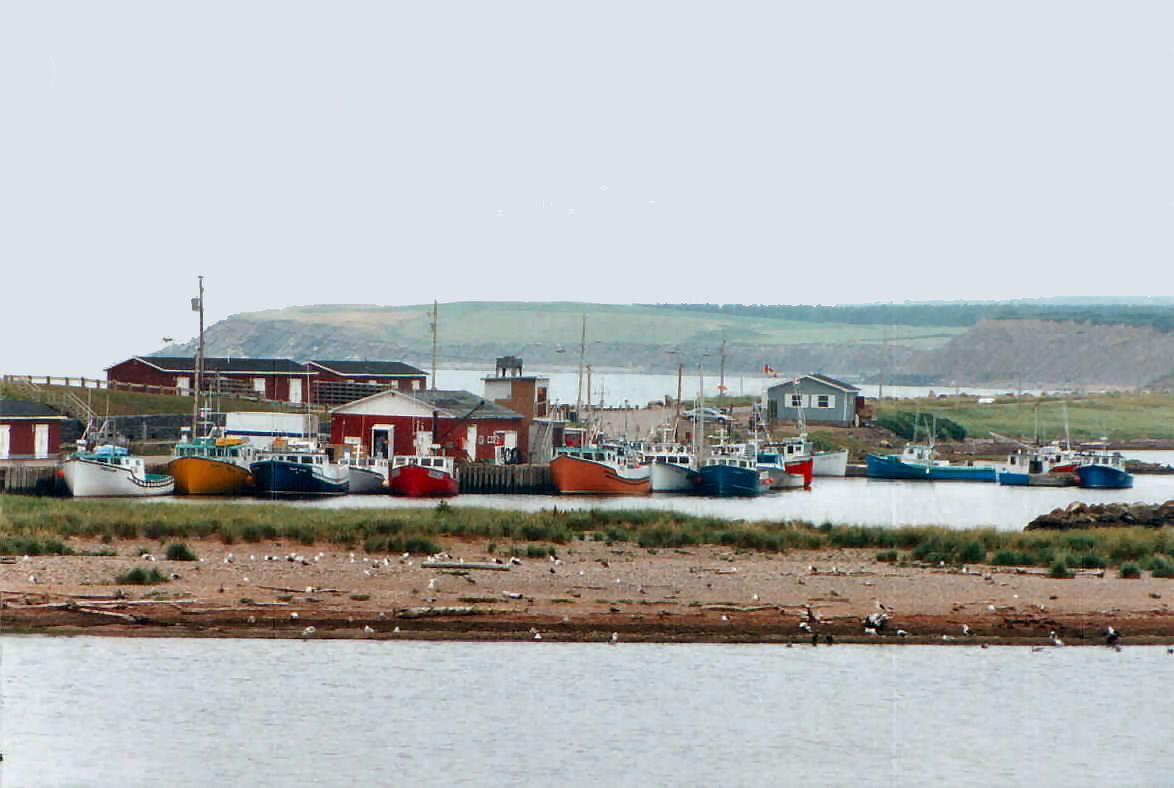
[[562, 323], [1112, 417], [105, 402]]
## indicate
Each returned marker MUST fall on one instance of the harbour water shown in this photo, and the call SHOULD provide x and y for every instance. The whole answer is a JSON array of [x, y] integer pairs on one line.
[[86, 711], [840, 501]]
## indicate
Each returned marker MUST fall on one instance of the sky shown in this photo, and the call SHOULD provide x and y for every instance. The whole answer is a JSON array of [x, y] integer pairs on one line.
[[616, 152]]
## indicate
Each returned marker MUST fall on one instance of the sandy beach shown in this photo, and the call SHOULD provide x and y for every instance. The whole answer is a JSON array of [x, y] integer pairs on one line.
[[591, 590]]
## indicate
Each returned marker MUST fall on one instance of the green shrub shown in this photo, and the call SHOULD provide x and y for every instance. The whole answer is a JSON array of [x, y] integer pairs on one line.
[[888, 556], [1059, 571], [1130, 571], [1160, 567], [1092, 561], [360, 597], [140, 577], [972, 553], [179, 551]]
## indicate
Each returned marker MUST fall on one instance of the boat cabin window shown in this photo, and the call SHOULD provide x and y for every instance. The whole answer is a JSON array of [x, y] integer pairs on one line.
[[307, 460]]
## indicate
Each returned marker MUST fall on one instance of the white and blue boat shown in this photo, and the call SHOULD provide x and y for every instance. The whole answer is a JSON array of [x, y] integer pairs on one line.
[[1103, 470], [731, 475], [918, 461], [110, 470], [1043, 466], [298, 468]]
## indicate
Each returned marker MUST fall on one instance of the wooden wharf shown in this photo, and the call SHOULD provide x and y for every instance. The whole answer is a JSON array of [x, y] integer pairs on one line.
[[476, 477]]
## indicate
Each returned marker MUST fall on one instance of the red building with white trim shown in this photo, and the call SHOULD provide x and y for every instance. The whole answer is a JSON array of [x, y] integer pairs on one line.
[[458, 423], [277, 379], [29, 430]]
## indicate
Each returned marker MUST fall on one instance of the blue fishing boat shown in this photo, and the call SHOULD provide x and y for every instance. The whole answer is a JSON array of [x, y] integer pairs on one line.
[[297, 468], [1042, 466], [1103, 470], [917, 461], [731, 476]]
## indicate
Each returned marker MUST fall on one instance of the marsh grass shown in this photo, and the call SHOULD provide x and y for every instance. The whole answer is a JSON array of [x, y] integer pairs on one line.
[[179, 551], [44, 526]]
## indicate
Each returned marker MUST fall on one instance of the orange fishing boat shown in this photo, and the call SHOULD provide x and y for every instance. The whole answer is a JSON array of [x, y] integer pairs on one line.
[[600, 470], [212, 466]]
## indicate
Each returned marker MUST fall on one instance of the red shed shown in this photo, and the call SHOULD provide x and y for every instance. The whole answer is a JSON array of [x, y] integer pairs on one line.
[[279, 379], [463, 425], [29, 430]]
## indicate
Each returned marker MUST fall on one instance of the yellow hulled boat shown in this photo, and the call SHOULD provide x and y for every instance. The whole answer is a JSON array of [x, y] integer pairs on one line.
[[212, 466]]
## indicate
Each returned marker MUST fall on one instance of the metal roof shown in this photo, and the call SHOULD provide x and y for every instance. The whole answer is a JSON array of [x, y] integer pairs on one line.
[[369, 368], [27, 409], [832, 382], [458, 403], [279, 366]]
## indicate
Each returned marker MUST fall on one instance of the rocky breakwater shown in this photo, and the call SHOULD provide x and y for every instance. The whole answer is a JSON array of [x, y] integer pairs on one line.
[[1105, 515]]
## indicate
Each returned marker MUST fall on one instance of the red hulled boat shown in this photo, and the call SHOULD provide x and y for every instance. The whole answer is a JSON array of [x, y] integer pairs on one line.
[[420, 476]]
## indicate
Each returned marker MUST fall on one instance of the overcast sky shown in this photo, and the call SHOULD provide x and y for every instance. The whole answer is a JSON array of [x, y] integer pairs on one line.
[[394, 152]]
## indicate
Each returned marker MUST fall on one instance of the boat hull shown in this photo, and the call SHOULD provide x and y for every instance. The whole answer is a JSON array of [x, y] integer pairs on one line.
[[416, 481], [730, 481], [1103, 477], [209, 476], [1051, 479], [893, 468], [89, 479], [365, 481], [578, 476], [278, 477], [830, 463], [668, 477]]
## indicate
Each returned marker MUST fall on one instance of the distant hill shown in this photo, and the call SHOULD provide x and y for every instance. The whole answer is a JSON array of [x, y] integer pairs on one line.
[[991, 343]]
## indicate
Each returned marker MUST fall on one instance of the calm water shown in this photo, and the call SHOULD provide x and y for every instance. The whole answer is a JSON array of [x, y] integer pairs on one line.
[[847, 501], [615, 389], [127, 712]]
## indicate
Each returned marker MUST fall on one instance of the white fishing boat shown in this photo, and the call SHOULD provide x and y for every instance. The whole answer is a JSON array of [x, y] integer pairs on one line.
[[830, 463], [367, 474], [109, 471]]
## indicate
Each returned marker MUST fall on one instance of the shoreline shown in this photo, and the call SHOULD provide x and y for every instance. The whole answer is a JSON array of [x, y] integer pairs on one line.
[[705, 594]]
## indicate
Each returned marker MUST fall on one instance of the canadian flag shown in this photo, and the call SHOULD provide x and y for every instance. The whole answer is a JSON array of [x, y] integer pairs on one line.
[[766, 370]]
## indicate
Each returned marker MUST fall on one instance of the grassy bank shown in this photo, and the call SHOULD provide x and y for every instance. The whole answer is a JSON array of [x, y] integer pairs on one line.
[[1116, 416], [134, 403], [45, 526]]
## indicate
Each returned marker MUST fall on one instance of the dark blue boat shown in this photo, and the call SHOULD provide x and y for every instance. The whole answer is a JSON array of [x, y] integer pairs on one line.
[[297, 471], [1103, 470], [730, 476], [917, 461]]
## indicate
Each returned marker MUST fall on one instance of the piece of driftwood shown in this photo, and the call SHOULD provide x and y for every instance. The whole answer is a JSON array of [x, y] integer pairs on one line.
[[467, 565], [425, 612], [110, 613], [738, 609], [302, 590]]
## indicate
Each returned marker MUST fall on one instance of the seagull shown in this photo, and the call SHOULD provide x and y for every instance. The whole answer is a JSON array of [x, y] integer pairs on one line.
[[368, 629], [308, 631], [615, 638], [754, 597], [870, 630], [902, 633], [967, 631], [1111, 636], [1055, 640], [294, 616], [804, 627], [252, 619], [538, 636]]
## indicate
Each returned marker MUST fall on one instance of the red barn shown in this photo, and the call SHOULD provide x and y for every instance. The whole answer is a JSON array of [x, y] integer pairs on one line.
[[339, 382], [277, 379], [461, 424], [29, 430]]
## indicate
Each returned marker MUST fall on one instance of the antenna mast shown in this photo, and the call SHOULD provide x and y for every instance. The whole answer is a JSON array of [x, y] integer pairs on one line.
[[582, 350], [198, 306]]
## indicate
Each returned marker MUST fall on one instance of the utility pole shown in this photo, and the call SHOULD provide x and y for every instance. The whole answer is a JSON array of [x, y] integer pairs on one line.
[[433, 321], [198, 306], [582, 350]]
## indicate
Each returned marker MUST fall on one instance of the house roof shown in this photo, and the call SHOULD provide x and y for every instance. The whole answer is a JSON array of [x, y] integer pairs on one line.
[[27, 409], [391, 368], [824, 379], [832, 382], [269, 366], [450, 404]]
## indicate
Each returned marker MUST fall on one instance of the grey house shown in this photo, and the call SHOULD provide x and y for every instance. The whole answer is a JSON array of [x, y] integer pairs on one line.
[[820, 399]]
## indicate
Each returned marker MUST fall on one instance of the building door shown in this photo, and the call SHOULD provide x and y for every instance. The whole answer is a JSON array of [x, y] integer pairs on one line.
[[382, 441], [259, 386], [4, 430], [184, 385], [295, 389], [41, 441], [471, 442]]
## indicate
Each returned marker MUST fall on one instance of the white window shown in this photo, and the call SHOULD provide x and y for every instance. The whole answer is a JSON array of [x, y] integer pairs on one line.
[[416, 384], [794, 400], [184, 385], [825, 401], [259, 385]]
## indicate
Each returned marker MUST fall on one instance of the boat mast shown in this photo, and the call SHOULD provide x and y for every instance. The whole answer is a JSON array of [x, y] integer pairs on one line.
[[433, 321], [198, 306]]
